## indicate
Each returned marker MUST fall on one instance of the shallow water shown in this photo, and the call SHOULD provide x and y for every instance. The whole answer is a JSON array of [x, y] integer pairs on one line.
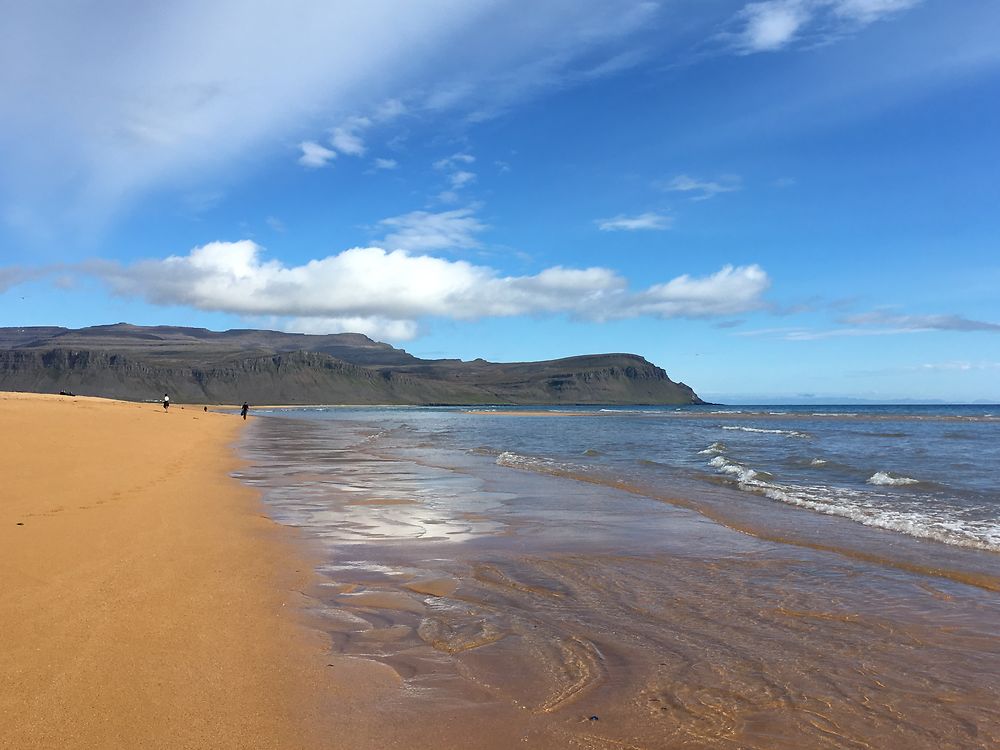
[[518, 592]]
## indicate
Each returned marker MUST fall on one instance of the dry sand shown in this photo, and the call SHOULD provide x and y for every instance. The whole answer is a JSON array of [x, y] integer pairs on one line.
[[146, 600]]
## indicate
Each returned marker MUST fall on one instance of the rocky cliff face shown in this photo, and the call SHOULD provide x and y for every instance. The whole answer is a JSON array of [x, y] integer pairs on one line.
[[199, 366]]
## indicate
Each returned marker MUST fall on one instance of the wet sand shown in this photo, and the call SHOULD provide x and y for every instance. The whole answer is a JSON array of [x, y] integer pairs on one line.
[[527, 610], [147, 600]]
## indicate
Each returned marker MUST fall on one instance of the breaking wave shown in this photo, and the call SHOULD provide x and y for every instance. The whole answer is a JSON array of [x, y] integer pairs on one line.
[[885, 479]]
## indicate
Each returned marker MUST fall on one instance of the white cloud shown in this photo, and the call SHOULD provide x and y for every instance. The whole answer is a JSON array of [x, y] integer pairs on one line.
[[880, 323], [702, 189], [275, 223], [959, 366], [461, 178], [129, 98], [729, 291], [946, 322], [868, 11], [378, 290], [455, 160], [386, 163], [771, 25], [774, 24], [14, 275], [346, 138], [648, 220], [376, 327], [314, 155], [425, 230]]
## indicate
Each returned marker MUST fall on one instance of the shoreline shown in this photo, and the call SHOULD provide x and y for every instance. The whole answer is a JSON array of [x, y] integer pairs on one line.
[[516, 605], [148, 599]]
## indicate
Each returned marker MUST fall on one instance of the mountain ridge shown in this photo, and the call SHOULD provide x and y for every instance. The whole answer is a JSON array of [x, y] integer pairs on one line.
[[198, 365]]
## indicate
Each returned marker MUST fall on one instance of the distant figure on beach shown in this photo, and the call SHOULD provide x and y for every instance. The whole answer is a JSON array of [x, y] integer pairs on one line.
[[244, 410], [166, 402]]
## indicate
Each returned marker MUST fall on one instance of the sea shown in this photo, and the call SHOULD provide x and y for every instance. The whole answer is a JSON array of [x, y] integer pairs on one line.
[[705, 576]]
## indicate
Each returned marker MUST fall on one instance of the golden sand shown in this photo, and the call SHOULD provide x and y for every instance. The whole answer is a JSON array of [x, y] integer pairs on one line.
[[146, 600]]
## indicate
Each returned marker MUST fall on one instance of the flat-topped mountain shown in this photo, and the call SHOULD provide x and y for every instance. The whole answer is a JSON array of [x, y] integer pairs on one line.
[[201, 366]]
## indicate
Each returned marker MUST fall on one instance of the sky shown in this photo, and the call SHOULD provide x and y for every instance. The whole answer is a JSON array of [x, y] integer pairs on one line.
[[779, 200]]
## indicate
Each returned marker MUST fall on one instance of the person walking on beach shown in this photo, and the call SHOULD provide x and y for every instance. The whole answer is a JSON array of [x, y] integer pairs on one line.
[[166, 402], [244, 410]]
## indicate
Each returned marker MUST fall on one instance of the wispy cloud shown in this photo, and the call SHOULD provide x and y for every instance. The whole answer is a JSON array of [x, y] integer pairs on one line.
[[957, 366], [879, 323], [775, 24], [393, 290], [166, 108], [419, 231], [315, 155], [701, 189], [461, 178], [453, 161], [14, 275], [385, 163], [346, 138], [921, 322], [623, 223]]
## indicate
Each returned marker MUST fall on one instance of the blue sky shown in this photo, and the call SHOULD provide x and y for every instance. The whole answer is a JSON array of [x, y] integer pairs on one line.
[[780, 199]]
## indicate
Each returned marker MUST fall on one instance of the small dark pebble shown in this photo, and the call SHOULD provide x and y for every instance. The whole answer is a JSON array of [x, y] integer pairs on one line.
[[594, 718], [20, 524]]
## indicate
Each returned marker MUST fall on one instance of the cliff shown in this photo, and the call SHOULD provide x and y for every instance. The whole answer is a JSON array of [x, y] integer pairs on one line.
[[201, 366]]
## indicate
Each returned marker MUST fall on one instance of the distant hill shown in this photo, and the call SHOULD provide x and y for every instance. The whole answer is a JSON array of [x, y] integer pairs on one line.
[[269, 367]]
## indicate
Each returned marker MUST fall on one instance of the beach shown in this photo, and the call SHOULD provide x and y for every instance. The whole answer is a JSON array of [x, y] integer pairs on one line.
[[433, 578], [147, 600]]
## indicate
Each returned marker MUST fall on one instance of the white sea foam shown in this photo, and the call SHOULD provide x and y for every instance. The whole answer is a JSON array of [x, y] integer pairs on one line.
[[868, 507], [713, 449], [818, 462], [537, 463], [744, 474], [888, 480], [742, 428]]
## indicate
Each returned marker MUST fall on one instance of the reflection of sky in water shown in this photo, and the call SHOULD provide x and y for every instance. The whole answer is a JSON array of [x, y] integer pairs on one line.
[[352, 501]]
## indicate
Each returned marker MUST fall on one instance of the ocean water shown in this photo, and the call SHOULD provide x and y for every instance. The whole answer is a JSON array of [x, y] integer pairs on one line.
[[930, 472], [752, 577]]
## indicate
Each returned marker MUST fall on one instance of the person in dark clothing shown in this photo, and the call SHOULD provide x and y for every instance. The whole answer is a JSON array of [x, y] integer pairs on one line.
[[166, 402], [244, 410]]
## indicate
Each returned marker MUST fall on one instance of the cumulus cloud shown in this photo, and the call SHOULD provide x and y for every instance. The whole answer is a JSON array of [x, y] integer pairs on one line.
[[426, 230], [702, 189], [774, 24], [375, 326], [622, 223], [314, 155], [374, 289], [729, 291]]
